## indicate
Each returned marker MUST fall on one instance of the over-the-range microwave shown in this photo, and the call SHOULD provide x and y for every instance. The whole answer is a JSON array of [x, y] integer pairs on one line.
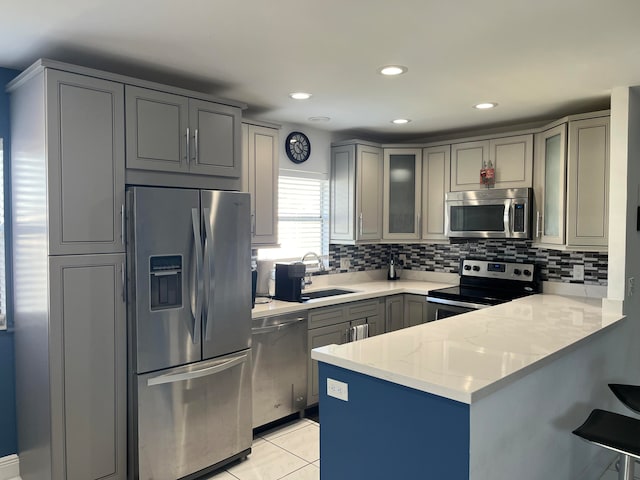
[[499, 213]]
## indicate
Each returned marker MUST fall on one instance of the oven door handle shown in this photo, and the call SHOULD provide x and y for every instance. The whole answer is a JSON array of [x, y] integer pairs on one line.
[[457, 303]]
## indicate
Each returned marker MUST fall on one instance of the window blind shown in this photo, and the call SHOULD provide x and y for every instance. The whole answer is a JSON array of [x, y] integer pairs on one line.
[[303, 218]]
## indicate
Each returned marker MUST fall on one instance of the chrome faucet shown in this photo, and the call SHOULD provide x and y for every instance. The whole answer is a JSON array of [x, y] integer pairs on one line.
[[320, 267]]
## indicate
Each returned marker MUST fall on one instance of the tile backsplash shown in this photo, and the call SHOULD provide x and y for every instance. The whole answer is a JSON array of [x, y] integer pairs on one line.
[[555, 266]]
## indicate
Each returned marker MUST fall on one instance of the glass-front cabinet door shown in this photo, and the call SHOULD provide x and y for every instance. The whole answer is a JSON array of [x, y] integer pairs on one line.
[[402, 193], [549, 186]]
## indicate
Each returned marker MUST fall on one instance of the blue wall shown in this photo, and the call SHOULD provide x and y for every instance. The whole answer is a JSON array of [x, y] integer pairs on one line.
[[8, 444]]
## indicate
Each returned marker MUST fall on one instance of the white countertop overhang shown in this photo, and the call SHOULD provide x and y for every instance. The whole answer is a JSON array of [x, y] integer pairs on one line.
[[469, 356]]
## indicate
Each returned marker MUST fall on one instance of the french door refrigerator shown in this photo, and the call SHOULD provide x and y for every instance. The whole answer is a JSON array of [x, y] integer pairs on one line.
[[189, 316]]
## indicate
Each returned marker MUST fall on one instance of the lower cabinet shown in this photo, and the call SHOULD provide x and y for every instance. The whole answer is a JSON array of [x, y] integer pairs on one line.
[[394, 312], [88, 367], [332, 325], [71, 370], [415, 310], [404, 311]]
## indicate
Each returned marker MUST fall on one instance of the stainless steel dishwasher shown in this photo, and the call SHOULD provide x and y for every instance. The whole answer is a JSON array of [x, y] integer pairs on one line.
[[279, 375]]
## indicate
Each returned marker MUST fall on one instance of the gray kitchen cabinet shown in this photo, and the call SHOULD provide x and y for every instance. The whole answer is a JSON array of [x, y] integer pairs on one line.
[[173, 133], [588, 183], [319, 337], [549, 186], [84, 141], [394, 305], [512, 159], [87, 368], [67, 187], [331, 325], [356, 192], [402, 193], [436, 181], [260, 178], [415, 310]]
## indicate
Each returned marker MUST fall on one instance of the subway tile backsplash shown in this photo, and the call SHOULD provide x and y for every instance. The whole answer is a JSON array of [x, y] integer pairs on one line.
[[555, 266]]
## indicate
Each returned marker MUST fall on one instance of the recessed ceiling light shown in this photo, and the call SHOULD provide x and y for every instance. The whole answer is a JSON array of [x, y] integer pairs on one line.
[[300, 95], [485, 106], [400, 121], [393, 70], [319, 119]]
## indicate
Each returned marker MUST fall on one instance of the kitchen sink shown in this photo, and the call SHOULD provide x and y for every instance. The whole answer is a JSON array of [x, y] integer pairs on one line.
[[331, 292]]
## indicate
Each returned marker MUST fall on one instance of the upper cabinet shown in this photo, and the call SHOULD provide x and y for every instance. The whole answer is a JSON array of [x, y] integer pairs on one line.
[[356, 193], [578, 164], [173, 133], [588, 183], [260, 178], [83, 140], [402, 193], [549, 182], [436, 167], [511, 157]]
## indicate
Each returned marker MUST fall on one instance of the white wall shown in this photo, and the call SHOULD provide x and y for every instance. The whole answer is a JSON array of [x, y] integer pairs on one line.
[[624, 199], [320, 160]]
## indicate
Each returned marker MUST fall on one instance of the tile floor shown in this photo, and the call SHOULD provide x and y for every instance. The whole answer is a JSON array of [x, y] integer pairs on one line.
[[288, 452], [292, 452]]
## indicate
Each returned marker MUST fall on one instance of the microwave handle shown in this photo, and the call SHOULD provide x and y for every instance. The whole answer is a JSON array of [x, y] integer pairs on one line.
[[512, 219], [507, 216]]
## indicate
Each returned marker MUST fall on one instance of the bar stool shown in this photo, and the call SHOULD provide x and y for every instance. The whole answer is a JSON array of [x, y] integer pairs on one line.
[[627, 394], [615, 432]]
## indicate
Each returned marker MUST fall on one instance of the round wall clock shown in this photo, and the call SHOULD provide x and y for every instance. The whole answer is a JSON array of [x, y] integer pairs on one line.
[[298, 147]]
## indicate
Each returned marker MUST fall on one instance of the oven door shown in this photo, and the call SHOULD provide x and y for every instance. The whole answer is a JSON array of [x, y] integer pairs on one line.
[[438, 308]]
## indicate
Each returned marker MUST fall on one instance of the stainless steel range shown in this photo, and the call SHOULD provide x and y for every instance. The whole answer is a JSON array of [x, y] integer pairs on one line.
[[483, 284]]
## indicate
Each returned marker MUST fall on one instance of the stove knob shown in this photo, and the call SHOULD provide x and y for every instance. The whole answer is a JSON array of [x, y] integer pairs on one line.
[[467, 267], [517, 271], [476, 268], [527, 273]]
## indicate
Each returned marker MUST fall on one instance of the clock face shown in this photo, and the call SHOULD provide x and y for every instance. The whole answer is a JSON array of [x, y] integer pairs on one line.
[[298, 147]]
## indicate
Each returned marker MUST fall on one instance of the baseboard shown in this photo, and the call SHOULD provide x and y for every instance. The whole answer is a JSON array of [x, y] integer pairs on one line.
[[9, 468]]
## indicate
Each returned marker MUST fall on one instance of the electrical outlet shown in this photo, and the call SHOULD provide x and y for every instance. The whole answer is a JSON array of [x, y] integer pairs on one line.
[[631, 285], [337, 389], [345, 264], [578, 272]]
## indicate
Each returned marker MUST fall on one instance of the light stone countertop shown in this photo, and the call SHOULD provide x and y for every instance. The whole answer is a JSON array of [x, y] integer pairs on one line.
[[362, 291], [469, 356]]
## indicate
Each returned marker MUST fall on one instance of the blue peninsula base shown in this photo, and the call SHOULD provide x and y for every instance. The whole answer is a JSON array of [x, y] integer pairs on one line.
[[385, 431]]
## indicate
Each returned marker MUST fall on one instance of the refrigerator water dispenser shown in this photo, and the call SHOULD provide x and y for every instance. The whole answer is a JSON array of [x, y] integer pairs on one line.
[[165, 282]]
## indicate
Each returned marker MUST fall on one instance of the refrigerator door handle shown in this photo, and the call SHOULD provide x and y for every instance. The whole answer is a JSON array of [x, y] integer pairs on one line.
[[195, 220], [210, 266], [204, 372]]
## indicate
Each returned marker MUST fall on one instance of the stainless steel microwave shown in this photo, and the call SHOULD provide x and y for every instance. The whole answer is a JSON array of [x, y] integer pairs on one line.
[[499, 213]]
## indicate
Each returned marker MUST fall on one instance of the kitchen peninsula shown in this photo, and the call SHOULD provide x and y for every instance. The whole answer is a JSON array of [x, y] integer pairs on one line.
[[491, 394]]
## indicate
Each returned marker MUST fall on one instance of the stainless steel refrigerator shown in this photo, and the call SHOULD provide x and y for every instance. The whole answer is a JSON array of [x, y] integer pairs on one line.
[[189, 316]]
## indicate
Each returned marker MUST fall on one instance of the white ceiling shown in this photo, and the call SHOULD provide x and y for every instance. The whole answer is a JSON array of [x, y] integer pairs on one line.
[[538, 59]]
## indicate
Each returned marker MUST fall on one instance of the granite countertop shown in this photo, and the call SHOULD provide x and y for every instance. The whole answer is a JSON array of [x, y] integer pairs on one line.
[[469, 356], [362, 291]]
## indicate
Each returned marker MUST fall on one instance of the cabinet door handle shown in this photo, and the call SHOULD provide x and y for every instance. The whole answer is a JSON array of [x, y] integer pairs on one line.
[[122, 223], [123, 278], [195, 146], [253, 223], [538, 224], [361, 224], [187, 145]]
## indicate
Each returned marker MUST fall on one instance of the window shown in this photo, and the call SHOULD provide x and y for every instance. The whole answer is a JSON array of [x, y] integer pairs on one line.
[[303, 218], [3, 287]]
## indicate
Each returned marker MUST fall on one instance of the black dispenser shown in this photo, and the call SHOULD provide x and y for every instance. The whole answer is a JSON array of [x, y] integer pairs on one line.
[[289, 277]]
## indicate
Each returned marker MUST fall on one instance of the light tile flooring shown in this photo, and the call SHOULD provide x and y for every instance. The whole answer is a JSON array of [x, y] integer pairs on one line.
[[288, 452], [292, 452]]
